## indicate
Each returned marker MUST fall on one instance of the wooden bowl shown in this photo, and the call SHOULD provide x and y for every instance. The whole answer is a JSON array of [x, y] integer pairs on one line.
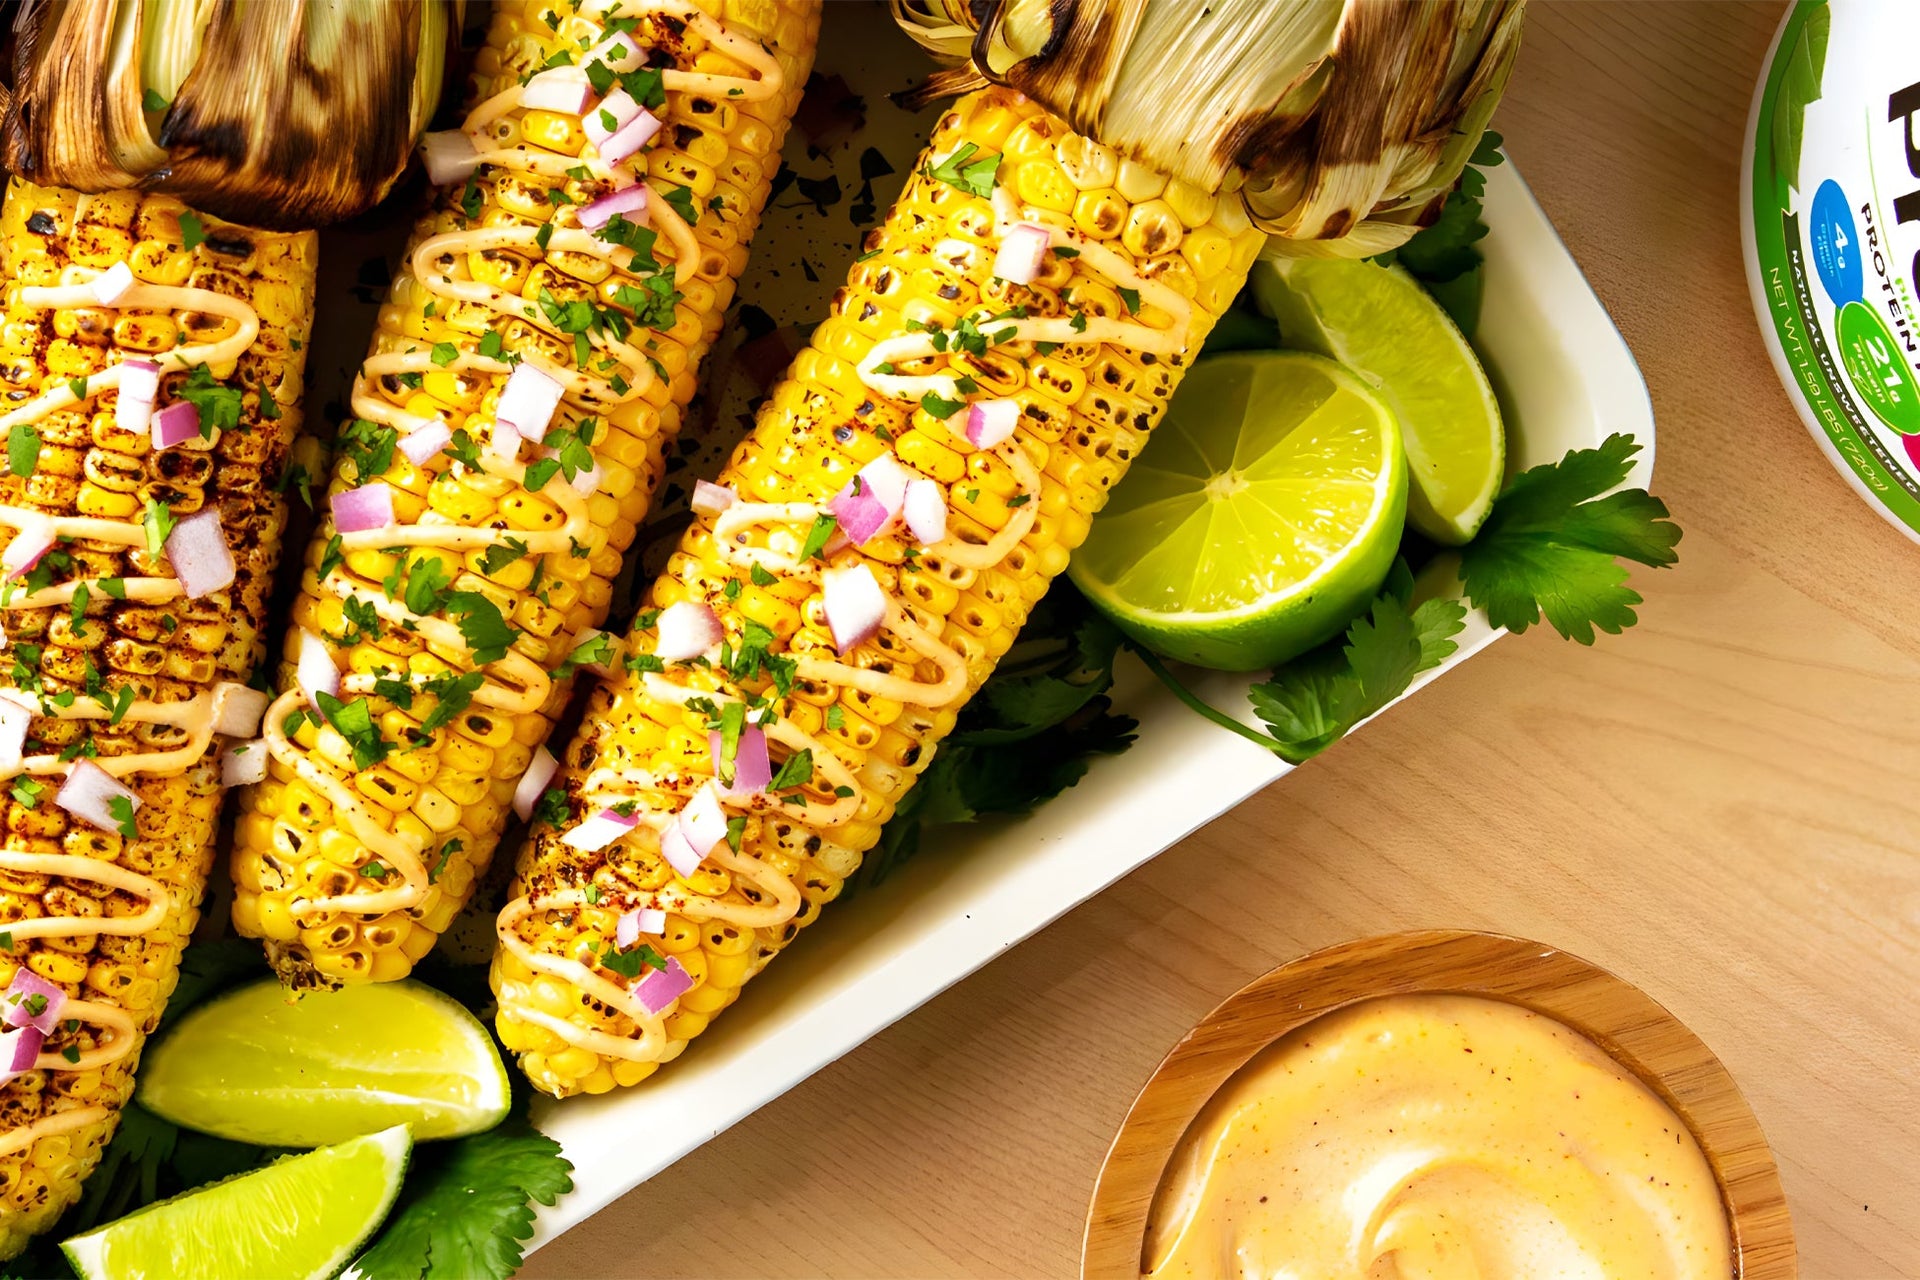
[[1614, 1014]]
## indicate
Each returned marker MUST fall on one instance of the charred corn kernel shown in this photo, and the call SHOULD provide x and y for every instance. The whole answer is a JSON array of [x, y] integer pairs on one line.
[[1086, 408], [171, 650], [454, 782]]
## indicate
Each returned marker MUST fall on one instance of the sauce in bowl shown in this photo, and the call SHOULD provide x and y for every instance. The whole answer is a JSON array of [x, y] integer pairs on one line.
[[1437, 1137]]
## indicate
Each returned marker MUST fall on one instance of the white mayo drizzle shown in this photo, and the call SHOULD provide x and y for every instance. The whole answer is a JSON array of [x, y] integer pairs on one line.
[[194, 716]]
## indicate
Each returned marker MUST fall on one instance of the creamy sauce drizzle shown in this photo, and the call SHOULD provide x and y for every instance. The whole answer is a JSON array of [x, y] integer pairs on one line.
[[194, 717]]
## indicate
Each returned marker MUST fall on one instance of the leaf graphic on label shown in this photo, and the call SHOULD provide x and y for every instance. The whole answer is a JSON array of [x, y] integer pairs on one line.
[[1799, 85]]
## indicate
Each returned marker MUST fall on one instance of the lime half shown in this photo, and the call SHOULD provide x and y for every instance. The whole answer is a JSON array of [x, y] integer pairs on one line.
[[304, 1216], [1380, 323], [254, 1067], [1260, 518]]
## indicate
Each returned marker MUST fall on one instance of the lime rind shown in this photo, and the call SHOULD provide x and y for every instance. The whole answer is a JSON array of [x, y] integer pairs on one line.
[[303, 1216], [251, 1067]]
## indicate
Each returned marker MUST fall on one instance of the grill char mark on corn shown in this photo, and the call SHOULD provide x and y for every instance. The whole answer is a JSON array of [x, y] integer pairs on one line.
[[1086, 409], [448, 800], [55, 1119]]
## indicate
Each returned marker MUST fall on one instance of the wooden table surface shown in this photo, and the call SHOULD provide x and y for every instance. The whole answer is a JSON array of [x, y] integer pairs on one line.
[[1719, 805]]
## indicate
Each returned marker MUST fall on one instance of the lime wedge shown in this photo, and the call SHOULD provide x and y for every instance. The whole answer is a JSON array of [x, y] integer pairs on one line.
[[254, 1067], [1260, 518], [1380, 323], [302, 1216]]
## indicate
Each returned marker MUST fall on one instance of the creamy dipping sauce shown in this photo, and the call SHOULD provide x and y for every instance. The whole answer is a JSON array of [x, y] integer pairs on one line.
[[1437, 1137]]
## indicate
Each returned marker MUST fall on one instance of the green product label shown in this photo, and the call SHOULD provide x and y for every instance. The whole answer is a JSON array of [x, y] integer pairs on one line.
[[1835, 287], [1871, 355]]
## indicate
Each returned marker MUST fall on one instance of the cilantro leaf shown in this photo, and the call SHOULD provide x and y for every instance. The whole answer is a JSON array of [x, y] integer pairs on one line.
[[158, 522], [1552, 545], [23, 449], [465, 1208], [218, 404], [1313, 701], [193, 232], [481, 625], [975, 177], [552, 808], [354, 722], [681, 198]]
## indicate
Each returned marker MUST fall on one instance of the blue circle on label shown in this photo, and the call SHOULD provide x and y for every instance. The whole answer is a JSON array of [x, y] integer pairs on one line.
[[1836, 245]]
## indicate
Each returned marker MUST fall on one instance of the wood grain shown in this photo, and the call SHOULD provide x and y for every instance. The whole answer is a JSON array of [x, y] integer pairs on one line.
[[1719, 805], [1623, 1020]]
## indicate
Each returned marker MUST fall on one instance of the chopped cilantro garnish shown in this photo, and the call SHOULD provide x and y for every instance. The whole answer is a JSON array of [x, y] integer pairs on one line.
[[192, 232], [975, 177], [120, 809], [23, 449]]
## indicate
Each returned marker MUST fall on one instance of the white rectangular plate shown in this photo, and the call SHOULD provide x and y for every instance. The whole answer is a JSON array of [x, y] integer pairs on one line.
[[1566, 381]]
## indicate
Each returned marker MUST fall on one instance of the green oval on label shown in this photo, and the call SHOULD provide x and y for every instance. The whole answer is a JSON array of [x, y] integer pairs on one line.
[[1877, 368]]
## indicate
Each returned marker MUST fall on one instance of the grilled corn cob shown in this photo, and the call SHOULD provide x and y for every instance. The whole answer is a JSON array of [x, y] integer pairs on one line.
[[452, 619], [124, 658], [1087, 353]]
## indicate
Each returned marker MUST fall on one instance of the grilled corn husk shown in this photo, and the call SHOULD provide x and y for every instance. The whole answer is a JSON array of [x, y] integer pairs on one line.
[[288, 114], [1086, 409], [1351, 118], [167, 651], [302, 865]]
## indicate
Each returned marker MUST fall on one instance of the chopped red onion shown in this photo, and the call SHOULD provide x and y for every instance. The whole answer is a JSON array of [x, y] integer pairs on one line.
[[587, 483], [687, 630], [19, 1050], [139, 380], [600, 830], [450, 155], [925, 511], [681, 856], [26, 549], [422, 444], [364, 509], [506, 440], [175, 424], [752, 770], [651, 921], [702, 821], [871, 500], [1022, 249], [558, 89], [661, 987], [528, 401], [132, 416], [855, 605], [533, 783], [633, 135], [201, 558], [314, 671], [86, 793], [617, 107], [237, 709], [15, 720], [629, 202], [244, 763], [711, 499], [19, 996], [991, 421], [112, 284]]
